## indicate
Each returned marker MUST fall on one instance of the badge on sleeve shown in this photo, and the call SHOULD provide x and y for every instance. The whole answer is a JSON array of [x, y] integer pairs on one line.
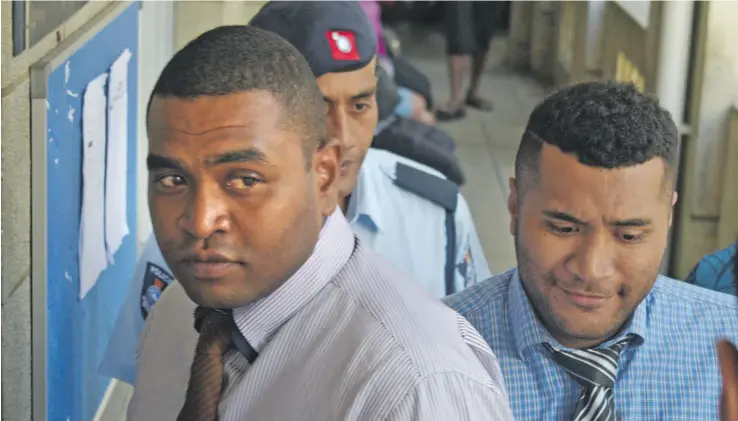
[[156, 280], [467, 270], [343, 45]]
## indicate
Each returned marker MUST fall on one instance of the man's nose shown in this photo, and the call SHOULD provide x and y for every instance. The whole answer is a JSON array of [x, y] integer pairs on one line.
[[340, 127], [595, 260], [206, 213]]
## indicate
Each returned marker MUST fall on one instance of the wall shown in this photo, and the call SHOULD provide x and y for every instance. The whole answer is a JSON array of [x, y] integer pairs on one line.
[[519, 38], [595, 15], [195, 17], [704, 163], [630, 51], [544, 39], [16, 208], [157, 23], [570, 65]]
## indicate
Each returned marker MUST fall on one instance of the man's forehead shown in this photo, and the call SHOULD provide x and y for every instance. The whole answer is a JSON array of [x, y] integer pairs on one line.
[[567, 166], [348, 84], [197, 116], [562, 176]]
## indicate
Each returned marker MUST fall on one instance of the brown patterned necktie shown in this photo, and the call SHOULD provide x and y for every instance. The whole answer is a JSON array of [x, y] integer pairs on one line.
[[204, 390]]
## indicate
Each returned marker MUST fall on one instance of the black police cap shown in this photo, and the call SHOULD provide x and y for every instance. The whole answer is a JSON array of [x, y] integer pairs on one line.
[[333, 36]]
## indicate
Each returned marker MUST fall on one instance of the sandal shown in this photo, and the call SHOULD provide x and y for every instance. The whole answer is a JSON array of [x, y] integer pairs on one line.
[[479, 103], [449, 115]]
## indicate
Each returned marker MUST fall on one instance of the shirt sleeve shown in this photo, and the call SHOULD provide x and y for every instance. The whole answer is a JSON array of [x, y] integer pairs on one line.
[[715, 271], [453, 397], [471, 265], [119, 360], [404, 106]]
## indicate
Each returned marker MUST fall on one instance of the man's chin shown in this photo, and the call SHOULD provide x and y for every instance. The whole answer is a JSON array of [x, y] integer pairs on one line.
[[212, 295]]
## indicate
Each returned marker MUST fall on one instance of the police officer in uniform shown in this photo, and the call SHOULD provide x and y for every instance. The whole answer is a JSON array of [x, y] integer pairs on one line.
[[407, 212]]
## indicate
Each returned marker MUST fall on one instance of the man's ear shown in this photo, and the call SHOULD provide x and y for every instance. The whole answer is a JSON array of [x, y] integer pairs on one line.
[[512, 204], [327, 172], [674, 198]]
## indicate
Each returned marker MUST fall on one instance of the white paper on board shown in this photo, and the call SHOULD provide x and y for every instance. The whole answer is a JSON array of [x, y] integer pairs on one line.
[[92, 256], [116, 223]]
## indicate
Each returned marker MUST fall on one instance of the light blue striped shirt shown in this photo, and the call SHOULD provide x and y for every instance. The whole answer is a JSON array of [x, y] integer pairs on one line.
[[347, 337], [673, 375]]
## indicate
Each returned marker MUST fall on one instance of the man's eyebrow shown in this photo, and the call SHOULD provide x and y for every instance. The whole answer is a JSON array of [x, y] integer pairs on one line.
[[158, 162], [563, 217], [242, 155], [364, 94], [367, 93], [635, 222]]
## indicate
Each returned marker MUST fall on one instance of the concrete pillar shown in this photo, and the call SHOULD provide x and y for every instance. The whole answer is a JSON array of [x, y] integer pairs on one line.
[[673, 69], [674, 55]]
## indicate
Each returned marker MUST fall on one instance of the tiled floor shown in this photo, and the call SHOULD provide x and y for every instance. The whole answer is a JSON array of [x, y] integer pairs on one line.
[[486, 146], [486, 142]]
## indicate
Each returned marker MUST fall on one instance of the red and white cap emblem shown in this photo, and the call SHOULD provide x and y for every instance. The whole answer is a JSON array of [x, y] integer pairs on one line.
[[342, 45]]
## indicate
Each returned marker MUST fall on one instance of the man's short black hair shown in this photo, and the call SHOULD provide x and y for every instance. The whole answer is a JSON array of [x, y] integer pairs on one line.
[[605, 125], [233, 59]]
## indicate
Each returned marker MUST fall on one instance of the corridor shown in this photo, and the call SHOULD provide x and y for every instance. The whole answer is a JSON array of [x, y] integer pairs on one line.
[[486, 142]]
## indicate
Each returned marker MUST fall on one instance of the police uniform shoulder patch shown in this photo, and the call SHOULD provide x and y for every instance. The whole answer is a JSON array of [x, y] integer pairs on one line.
[[156, 280], [467, 270]]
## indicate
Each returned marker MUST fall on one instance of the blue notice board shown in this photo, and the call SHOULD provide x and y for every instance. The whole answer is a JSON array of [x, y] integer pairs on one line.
[[70, 335]]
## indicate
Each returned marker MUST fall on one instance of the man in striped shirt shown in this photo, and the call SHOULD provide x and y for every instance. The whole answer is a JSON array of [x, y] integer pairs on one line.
[[297, 318], [406, 211]]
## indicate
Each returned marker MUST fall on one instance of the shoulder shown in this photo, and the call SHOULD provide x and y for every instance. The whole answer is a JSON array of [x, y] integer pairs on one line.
[[173, 313], [681, 304], [152, 276], [715, 271], [417, 327], [481, 297], [404, 179], [439, 397], [387, 161]]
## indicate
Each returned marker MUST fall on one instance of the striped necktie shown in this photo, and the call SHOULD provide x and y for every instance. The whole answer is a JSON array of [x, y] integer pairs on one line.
[[595, 370], [204, 390]]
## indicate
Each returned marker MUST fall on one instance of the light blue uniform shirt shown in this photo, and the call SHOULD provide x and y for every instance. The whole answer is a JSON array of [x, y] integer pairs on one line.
[[403, 227], [671, 373]]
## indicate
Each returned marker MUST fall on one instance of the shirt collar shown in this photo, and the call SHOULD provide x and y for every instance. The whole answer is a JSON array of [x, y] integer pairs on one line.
[[528, 330], [260, 320], [363, 202]]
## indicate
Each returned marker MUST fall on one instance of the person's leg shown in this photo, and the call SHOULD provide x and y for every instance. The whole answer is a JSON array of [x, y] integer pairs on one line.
[[460, 45], [485, 23], [474, 97]]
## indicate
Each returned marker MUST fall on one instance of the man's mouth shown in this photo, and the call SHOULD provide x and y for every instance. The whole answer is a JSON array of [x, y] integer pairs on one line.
[[208, 264], [209, 269], [585, 299]]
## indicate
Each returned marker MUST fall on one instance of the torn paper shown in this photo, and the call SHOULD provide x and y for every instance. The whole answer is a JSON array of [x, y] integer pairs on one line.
[[116, 224], [92, 255]]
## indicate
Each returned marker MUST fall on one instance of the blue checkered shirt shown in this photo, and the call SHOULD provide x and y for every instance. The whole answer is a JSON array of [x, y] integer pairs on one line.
[[670, 374]]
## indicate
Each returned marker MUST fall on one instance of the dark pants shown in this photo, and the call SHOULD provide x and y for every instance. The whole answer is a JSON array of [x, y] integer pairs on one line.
[[470, 26]]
